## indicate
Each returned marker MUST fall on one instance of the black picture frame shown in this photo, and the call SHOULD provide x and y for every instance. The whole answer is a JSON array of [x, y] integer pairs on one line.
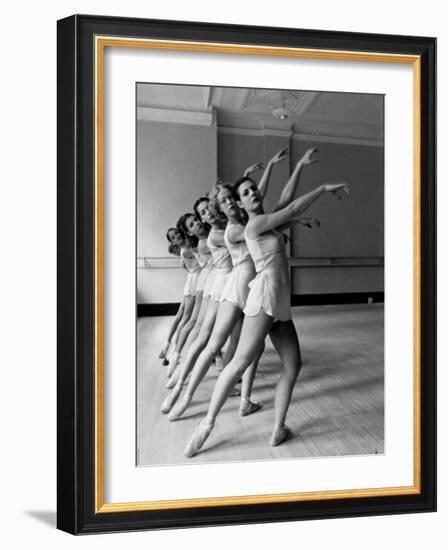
[[76, 510]]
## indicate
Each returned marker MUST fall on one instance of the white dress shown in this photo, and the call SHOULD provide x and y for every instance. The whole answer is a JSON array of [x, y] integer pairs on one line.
[[193, 268], [205, 260], [271, 289], [222, 262], [236, 288]]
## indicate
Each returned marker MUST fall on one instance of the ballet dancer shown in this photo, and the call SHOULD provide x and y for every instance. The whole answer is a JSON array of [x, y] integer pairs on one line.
[[175, 251], [267, 309], [233, 299], [189, 331], [223, 265], [191, 300]]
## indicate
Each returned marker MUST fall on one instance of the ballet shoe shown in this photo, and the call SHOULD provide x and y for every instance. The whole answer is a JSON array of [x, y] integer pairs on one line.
[[172, 381], [235, 392], [179, 408], [248, 407], [280, 434], [219, 363], [199, 437], [173, 364], [171, 398]]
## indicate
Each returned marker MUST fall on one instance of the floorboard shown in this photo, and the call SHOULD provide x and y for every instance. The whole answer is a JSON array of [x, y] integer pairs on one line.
[[337, 406]]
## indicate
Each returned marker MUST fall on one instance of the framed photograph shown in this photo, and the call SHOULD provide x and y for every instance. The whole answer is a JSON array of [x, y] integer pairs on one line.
[[235, 344]]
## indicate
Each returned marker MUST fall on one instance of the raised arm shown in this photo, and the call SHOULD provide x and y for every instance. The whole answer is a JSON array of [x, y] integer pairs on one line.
[[291, 185], [253, 168], [265, 178], [267, 222]]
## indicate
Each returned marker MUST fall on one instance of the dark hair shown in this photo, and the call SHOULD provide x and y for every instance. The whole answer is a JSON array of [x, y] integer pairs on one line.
[[231, 188], [239, 182], [181, 226], [174, 249], [197, 203], [168, 233]]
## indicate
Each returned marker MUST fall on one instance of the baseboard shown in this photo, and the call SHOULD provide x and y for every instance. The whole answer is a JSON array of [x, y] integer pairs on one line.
[[154, 310], [340, 298]]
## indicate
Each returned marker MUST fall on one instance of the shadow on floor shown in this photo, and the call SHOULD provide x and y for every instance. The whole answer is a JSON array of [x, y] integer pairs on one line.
[[44, 516]]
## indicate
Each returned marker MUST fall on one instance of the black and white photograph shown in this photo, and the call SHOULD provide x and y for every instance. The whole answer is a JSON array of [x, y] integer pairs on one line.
[[260, 274]]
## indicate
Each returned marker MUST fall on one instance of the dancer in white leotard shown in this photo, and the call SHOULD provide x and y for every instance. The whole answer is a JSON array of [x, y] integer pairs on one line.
[[228, 319], [223, 265], [178, 240], [190, 331], [192, 297], [175, 251], [267, 308], [233, 296]]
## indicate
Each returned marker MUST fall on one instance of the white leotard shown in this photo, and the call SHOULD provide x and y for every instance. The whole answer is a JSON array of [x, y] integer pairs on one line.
[[222, 262], [271, 289], [236, 288], [192, 266], [205, 260]]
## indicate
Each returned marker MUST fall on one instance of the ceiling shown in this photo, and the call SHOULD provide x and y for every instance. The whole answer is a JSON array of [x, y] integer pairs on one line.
[[318, 113]]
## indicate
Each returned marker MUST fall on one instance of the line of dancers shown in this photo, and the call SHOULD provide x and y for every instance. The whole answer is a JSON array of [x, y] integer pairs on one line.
[[237, 290]]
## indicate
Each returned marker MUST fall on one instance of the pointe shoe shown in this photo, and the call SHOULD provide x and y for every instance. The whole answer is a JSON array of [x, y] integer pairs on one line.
[[173, 364], [163, 351], [235, 392], [280, 434], [249, 407], [171, 398], [172, 380], [199, 437], [219, 363], [178, 410]]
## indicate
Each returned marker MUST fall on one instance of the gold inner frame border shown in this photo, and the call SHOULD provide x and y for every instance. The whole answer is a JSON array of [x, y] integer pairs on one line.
[[101, 42]]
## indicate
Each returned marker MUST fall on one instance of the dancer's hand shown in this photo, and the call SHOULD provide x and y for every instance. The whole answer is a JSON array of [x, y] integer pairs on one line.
[[309, 222], [336, 188], [306, 159], [253, 168], [278, 157]]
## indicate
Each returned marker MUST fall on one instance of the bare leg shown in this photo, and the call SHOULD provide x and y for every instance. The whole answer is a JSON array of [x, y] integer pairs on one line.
[[193, 353], [234, 336], [188, 309], [227, 316], [247, 406], [184, 333], [253, 334], [194, 332], [284, 338], [172, 331]]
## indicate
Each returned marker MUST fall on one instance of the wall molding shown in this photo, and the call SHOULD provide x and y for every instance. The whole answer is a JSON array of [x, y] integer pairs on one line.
[[156, 310], [170, 262], [197, 118], [319, 138]]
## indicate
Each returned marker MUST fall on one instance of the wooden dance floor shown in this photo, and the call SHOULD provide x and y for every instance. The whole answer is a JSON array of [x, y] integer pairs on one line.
[[337, 406]]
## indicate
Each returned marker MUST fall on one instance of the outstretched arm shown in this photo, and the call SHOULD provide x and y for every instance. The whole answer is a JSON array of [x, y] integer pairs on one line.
[[301, 220], [291, 185], [267, 222], [265, 178]]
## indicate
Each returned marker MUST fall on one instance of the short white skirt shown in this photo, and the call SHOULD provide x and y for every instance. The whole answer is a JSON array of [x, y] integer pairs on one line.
[[218, 284], [191, 283], [202, 279], [208, 283], [236, 288], [271, 294]]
